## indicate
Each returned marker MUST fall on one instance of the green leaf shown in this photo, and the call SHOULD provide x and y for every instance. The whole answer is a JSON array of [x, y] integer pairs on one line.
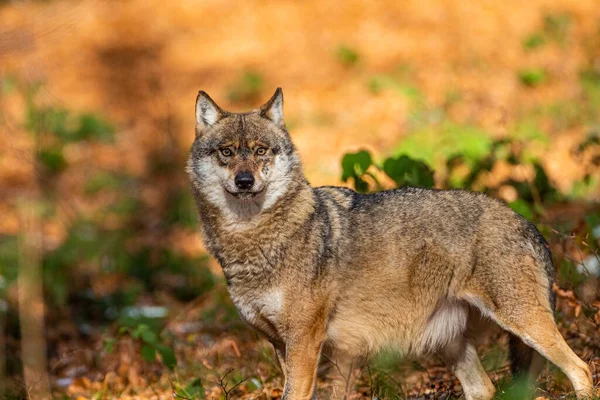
[[435, 144], [360, 185], [8, 84], [167, 355], [52, 159], [471, 142], [148, 353], [347, 56], [149, 337], [407, 171], [556, 26], [195, 389], [396, 168], [92, 127], [380, 82], [137, 332], [355, 165], [522, 207], [103, 180], [42, 120], [534, 41], [533, 77], [145, 333], [109, 345], [247, 87]]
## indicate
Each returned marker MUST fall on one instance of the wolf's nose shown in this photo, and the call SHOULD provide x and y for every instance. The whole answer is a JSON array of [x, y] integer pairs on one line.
[[244, 180]]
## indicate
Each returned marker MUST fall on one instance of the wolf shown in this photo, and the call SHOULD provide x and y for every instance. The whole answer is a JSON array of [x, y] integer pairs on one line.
[[327, 269]]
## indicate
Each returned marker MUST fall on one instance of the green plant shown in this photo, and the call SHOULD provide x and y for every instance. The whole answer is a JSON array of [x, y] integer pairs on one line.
[[406, 171], [556, 26], [247, 88], [463, 166], [508, 389], [65, 125], [403, 170], [151, 344], [378, 83], [534, 41], [52, 159], [53, 127], [347, 56], [533, 77], [192, 390]]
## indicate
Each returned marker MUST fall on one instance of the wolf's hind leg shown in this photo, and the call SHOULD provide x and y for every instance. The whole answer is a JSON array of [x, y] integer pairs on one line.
[[461, 357], [540, 332], [535, 326]]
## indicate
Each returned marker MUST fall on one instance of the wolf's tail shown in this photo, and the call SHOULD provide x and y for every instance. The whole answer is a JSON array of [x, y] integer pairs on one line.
[[522, 359], [525, 362]]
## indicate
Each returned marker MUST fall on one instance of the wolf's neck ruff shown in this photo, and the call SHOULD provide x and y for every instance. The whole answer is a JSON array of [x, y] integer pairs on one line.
[[256, 236]]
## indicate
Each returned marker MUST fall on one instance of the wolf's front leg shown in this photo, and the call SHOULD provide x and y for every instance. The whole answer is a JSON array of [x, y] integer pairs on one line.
[[301, 361]]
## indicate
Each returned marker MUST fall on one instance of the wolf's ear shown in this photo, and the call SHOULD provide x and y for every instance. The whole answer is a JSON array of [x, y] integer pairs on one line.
[[273, 109], [207, 112]]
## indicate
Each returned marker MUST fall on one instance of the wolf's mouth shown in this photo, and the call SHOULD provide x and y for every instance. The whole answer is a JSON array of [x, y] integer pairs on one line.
[[244, 195]]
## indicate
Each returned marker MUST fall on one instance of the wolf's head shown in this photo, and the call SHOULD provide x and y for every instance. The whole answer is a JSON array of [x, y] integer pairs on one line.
[[242, 163]]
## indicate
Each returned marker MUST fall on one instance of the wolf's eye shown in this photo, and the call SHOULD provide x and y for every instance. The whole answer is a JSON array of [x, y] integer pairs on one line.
[[226, 152], [261, 151]]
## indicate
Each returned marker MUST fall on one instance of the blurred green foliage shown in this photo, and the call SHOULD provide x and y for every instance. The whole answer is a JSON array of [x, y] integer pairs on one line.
[[248, 87], [464, 154], [534, 41], [151, 344], [194, 389], [66, 126], [554, 30], [347, 56], [93, 249], [556, 27], [108, 269], [533, 76]]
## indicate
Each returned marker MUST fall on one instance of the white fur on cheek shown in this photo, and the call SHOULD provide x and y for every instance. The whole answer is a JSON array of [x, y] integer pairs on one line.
[[208, 177], [278, 180]]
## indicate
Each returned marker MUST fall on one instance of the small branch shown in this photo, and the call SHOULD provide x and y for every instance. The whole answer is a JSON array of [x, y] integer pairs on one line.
[[223, 385]]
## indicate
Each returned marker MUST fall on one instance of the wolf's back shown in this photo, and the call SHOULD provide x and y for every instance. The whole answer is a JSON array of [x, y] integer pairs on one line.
[[470, 231]]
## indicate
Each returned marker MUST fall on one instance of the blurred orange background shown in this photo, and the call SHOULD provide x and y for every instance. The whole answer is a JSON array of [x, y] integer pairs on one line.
[[142, 62]]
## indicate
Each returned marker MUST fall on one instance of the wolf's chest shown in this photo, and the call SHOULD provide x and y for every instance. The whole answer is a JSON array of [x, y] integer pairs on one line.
[[255, 307]]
